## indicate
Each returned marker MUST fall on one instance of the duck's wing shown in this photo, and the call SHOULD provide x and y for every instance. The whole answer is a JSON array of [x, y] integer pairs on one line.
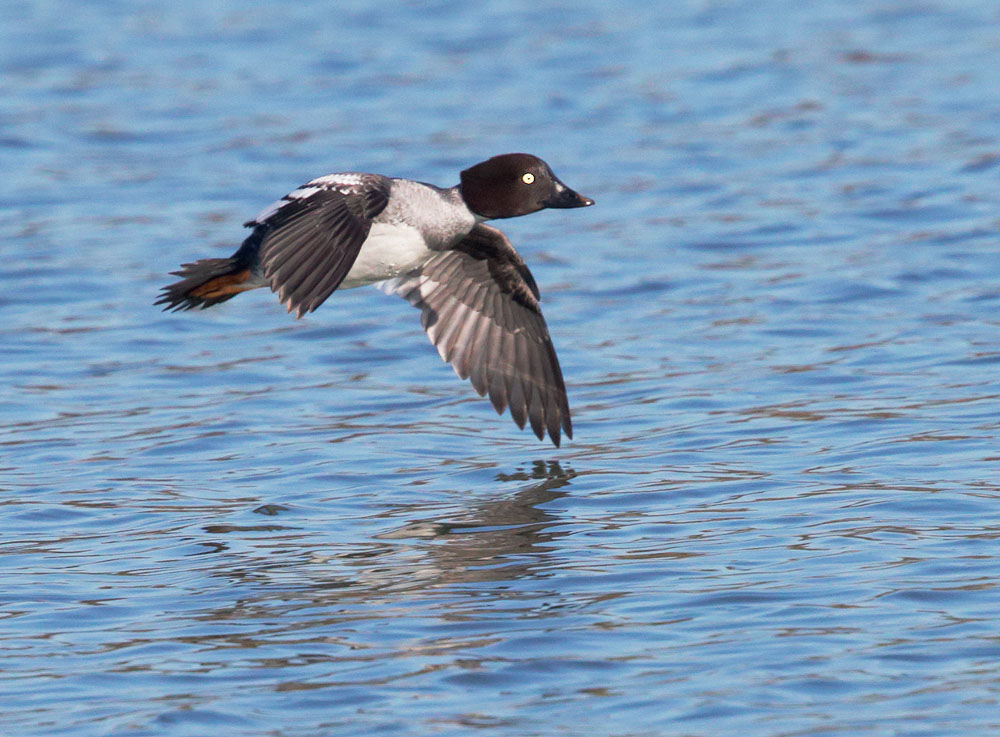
[[479, 306], [309, 239]]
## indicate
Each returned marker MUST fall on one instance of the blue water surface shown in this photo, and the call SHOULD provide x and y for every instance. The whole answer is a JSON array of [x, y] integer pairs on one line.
[[780, 327]]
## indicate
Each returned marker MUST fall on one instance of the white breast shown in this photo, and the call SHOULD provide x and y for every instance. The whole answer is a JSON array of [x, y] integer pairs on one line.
[[389, 250]]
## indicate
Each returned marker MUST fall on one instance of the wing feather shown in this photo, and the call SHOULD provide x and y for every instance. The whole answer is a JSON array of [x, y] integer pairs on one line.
[[310, 240], [479, 307]]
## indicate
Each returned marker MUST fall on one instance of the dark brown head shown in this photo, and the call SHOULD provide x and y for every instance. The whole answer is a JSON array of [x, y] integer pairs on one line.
[[511, 185]]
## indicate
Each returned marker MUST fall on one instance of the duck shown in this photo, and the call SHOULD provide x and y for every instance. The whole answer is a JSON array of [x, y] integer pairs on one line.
[[430, 245]]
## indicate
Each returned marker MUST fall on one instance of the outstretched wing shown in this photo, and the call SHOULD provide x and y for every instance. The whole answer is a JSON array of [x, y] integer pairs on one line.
[[479, 307], [311, 237]]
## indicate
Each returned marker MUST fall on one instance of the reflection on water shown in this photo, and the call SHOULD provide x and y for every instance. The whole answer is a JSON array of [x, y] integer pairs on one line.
[[778, 327], [498, 540]]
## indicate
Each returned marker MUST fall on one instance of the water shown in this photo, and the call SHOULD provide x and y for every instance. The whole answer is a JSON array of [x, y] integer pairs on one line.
[[779, 326]]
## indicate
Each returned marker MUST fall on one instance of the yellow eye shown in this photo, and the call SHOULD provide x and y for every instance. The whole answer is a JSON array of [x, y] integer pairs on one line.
[[528, 178]]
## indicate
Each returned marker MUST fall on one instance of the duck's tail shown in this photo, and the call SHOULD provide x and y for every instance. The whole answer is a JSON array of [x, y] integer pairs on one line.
[[205, 283]]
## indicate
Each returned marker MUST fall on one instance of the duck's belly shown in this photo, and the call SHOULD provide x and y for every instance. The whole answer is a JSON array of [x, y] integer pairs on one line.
[[389, 250]]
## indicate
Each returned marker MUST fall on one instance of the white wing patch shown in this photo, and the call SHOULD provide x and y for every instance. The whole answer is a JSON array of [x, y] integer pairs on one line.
[[346, 183], [298, 194], [348, 180]]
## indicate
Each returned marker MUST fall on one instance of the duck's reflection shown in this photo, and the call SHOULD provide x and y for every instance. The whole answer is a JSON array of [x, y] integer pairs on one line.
[[500, 539], [505, 539]]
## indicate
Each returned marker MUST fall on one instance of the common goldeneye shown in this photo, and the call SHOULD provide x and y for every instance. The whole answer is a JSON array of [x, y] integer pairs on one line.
[[479, 302]]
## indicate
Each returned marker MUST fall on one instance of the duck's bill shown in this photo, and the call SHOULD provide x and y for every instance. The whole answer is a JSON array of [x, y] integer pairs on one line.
[[564, 197]]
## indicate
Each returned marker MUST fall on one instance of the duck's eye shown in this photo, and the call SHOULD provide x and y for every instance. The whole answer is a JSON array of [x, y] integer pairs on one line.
[[528, 178]]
